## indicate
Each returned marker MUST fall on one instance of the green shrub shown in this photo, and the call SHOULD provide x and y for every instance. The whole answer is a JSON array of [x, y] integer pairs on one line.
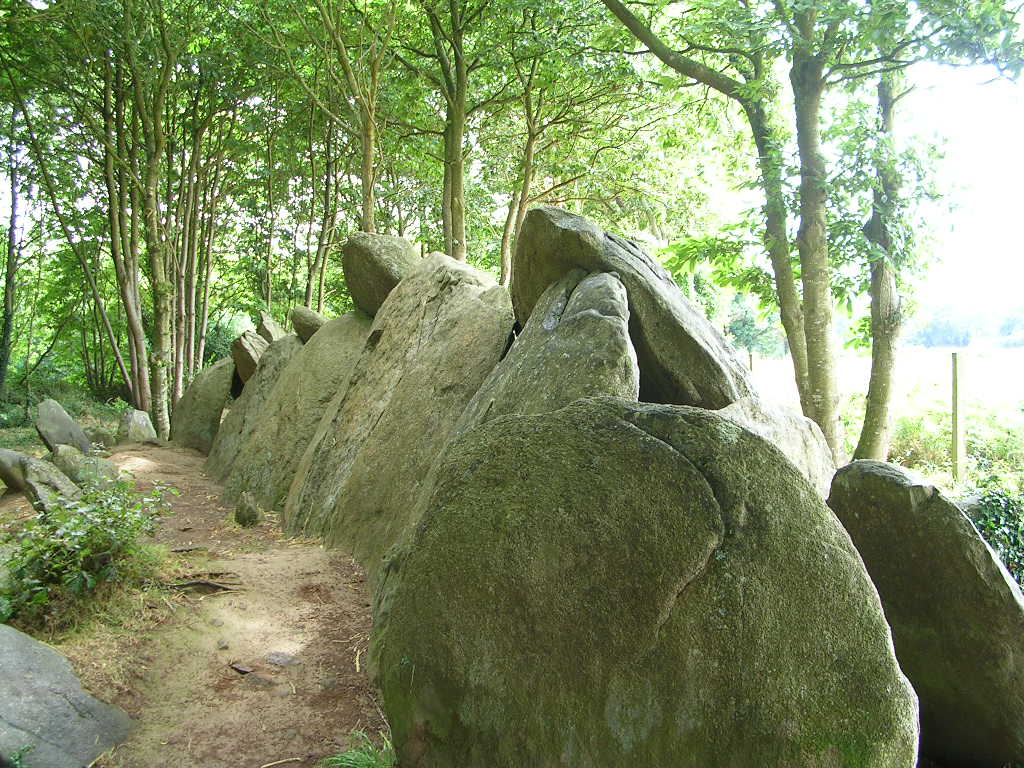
[[365, 755], [64, 556], [999, 516]]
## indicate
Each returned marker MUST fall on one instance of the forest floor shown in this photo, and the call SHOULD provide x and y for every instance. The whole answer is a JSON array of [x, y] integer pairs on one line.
[[272, 672]]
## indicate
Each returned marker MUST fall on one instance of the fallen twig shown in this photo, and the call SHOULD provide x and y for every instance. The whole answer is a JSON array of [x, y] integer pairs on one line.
[[201, 585], [281, 762]]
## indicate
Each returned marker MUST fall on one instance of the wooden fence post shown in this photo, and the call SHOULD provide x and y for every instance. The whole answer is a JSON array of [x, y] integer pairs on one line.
[[959, 433]]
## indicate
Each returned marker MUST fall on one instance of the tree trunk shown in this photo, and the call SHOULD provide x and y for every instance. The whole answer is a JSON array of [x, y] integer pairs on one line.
[[812, 243], [886, 314], [776, 239], [11, 265]]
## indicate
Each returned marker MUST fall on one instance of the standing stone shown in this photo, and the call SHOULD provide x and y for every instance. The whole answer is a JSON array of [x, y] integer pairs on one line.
[[312, 384], [196, 418], [55, 428], [247, 511], [799, 438], [12, 471], [269, 328], [246, 351], [248, 409], [82, 469], [102, 435], [135, 427], [633, 585], [373, 265], [957, 615], [306, 322], [433, 342], [575, 344], [45, 485], [42, 705], [683, 358]]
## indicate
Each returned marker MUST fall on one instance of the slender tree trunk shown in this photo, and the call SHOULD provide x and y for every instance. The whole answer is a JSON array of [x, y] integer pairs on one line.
[[776, 239], [518, 205], [812, 243], [886, 310], [11, 264], [368, 137]]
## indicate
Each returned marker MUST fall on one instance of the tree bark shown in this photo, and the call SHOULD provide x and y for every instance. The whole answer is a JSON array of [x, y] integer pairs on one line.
[[886, 310], [806, 77], [11, 264]]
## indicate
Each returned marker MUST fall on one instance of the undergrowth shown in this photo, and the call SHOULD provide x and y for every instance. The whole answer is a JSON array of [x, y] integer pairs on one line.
[[999, 516], [365, 754], [62, 561]]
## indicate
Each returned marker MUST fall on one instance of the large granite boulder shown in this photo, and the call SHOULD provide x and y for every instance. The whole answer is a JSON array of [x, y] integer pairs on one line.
[[82, 469], [55, 427], [683, 358], [45, 485], [306, 322], [42, 705], [799, 438], [311, 384], [433, 342], [269, 328], [626, 584], [373, 265], [957, 615], [135, 427], [575, 344], [248, 409], [246, 351], [12, 471], [195, 420]]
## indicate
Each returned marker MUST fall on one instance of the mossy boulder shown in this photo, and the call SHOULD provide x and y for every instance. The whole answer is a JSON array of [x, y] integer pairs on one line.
[[575, 344], [957, 615], [437, 336], [195, 420], [45, 485], [311, 384], [269, 328], [246, 351], [306, 322], [625, 584], [135, 426], [799, 438], [55, 427], [248, 409], [373, 266], [82, 469], [683, 358]]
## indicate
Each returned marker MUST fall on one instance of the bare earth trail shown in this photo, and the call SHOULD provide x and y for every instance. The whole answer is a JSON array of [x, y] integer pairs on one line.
[[299, 620]]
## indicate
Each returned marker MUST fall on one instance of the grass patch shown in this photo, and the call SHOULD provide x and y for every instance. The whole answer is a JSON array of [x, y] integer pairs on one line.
[[64, 563], [365, 754]]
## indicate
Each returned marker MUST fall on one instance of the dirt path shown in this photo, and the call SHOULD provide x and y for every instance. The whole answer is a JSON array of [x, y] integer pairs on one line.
[[299, 620]]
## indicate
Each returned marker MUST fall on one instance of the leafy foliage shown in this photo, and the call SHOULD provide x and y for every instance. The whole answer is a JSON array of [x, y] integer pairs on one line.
[[999, 516], [67, 555], [365, 755]]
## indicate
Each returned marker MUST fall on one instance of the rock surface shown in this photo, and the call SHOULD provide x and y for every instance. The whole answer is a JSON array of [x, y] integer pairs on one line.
[[269, 328], [433, 342], [247, 511], [55, 427], [312, 384], [246, 351], [799, 438], [82, 469], [12, 471], [45, 485], [42, 704], [306, 322], [957, 615], [576, 344], [683, 358], [248, 409], [373, 265], [103, 436], [196, 419], [633, 584], [135, 427]]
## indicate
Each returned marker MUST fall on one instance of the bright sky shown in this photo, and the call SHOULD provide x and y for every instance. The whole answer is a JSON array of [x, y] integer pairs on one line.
[[978, 246]]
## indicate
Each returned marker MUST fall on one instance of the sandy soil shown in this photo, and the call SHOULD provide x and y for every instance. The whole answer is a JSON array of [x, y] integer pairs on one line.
[[296, 627]]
